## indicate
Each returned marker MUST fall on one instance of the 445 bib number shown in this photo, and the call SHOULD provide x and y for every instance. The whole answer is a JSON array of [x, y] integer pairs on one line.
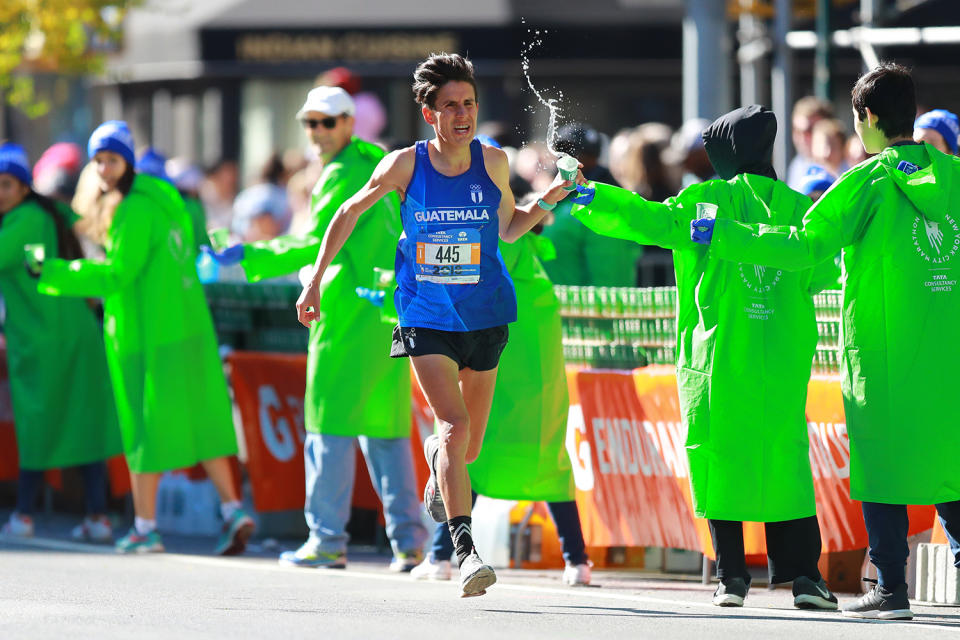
[[449, 257]]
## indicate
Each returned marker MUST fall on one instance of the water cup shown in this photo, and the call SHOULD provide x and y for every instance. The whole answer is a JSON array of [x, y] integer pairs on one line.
[[706, 210], [219, 238], [34, 254], [567, 166]]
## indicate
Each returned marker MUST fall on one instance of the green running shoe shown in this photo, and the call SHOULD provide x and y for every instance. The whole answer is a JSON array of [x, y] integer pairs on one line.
[[133, 542], [233, 539], [309, 556]]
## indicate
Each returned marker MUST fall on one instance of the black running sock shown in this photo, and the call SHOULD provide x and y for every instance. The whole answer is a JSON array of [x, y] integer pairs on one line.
[[462, 536]]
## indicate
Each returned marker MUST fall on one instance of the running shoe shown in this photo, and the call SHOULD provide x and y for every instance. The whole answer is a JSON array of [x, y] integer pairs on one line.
[[577, 575], [881, 604], [93, 530], [432, 499], [731, 592], [432, 569], [18, 526], [310, 557], [475, 576], [405, 561], [133, 542], [808, 594], [236, 532]]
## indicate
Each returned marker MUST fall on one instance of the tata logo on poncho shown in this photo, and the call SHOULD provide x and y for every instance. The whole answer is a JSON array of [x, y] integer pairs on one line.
[[758, 278], [936, 242], [476, 194]]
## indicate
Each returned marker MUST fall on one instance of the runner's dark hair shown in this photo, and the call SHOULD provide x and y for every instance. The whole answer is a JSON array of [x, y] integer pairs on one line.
[[888, 91], [438, 70]]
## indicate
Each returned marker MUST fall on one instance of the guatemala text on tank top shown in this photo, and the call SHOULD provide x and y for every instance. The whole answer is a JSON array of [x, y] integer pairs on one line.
[[450, 274]]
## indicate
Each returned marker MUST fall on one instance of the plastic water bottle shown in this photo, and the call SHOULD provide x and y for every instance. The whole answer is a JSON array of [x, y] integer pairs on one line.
[[208, 269]]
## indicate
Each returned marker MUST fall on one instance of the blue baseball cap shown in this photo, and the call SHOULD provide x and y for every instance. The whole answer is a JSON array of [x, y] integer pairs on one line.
[[943, 122], [817, 179], [115, 136], [152, 163], [13, 160]]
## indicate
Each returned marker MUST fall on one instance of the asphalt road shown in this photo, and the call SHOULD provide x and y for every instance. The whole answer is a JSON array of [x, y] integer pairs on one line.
[[51, 588]]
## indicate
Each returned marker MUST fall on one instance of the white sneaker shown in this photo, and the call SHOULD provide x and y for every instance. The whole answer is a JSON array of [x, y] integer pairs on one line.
[[475, 576], [93, 530], [18, 526], [577, 575], [431, 569]]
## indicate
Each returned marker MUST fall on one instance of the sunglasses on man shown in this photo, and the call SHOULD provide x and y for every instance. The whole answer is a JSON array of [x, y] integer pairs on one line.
[[327, 123]]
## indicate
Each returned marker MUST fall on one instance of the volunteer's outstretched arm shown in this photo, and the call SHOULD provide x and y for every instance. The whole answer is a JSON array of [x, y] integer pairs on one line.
[[393, 173]]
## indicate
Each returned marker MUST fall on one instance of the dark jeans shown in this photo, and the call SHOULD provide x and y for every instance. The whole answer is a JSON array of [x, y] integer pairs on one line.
[[94, 477], [565, 515], [887, 527], [793, 549]]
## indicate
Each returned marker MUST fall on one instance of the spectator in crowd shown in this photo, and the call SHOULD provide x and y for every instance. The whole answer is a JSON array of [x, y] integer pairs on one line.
[[828, 146], [536, 165], [816, 182], [583, 257], [807, 111], [55, 173], [938, 128], [153, 163], [63, 407], [354, 392], [641, 168], [686, 152], [171, 394], [187, 178], [262, 211], [217, 192], [854, 151]]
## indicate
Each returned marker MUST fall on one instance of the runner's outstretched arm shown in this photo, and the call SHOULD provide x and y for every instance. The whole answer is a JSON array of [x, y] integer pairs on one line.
[[391, 174], [513, 226]]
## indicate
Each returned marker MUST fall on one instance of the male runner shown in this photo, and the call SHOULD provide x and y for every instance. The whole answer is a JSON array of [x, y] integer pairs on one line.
[[454, 296]]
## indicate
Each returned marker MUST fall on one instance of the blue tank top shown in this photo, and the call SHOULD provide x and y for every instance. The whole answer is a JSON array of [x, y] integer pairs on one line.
[[450, 274]]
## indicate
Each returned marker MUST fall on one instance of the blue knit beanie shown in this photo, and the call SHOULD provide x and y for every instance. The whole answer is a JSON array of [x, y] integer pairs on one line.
[[153, 164], [943, 122], [13, 160], [115, 136]]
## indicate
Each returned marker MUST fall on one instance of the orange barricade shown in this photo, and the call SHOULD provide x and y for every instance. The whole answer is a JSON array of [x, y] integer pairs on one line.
[[268, 388], [626, 443]]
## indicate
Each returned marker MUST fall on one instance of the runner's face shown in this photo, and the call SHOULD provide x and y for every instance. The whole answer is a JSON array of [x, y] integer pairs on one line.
[[12, 192], [110, 167], [454, 116]]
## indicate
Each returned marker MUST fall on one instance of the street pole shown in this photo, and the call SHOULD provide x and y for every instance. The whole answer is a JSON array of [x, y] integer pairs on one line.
[[781, 86], [706, 55], [823, 80]]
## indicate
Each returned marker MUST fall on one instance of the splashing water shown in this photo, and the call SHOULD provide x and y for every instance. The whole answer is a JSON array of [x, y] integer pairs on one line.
[[552, 104]]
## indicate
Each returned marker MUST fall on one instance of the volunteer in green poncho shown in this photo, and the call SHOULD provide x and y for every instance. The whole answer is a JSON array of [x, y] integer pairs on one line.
[[897, 218], [153, 163], [170, 391], [62, 402], [740, 326], [353, 390]]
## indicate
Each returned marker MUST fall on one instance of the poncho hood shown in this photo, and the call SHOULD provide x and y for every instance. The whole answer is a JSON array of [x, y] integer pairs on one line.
[[742, 142]]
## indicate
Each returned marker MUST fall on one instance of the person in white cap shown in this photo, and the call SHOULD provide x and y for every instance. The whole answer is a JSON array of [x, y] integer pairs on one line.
[[353, 391]]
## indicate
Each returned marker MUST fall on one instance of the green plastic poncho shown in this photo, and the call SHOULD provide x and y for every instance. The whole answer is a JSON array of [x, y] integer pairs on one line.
[[746, 334], [168, 381], [62, 401], [353, 387], [900, 359], [198, 221], [523, 455], [587, 259]]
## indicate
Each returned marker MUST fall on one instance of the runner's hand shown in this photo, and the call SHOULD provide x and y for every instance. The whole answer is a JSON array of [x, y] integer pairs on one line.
[[558, 189], [308, 303]]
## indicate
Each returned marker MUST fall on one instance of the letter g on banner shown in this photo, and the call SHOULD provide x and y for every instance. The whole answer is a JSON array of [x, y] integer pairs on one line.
[[578, 448], [276, 427]]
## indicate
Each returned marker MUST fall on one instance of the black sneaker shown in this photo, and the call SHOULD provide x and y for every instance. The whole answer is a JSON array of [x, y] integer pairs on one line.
[[432, 499], [731, 592], [808, 594], [881, 604]]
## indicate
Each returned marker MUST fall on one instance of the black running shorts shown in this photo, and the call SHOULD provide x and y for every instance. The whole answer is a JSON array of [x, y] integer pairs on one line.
[[477, 350]]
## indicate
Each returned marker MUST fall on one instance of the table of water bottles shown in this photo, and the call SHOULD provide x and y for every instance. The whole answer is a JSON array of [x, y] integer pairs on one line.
[[626, 327], [603, 327]]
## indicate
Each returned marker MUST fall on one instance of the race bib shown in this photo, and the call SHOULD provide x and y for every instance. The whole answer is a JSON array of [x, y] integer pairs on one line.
[[449, 257]]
